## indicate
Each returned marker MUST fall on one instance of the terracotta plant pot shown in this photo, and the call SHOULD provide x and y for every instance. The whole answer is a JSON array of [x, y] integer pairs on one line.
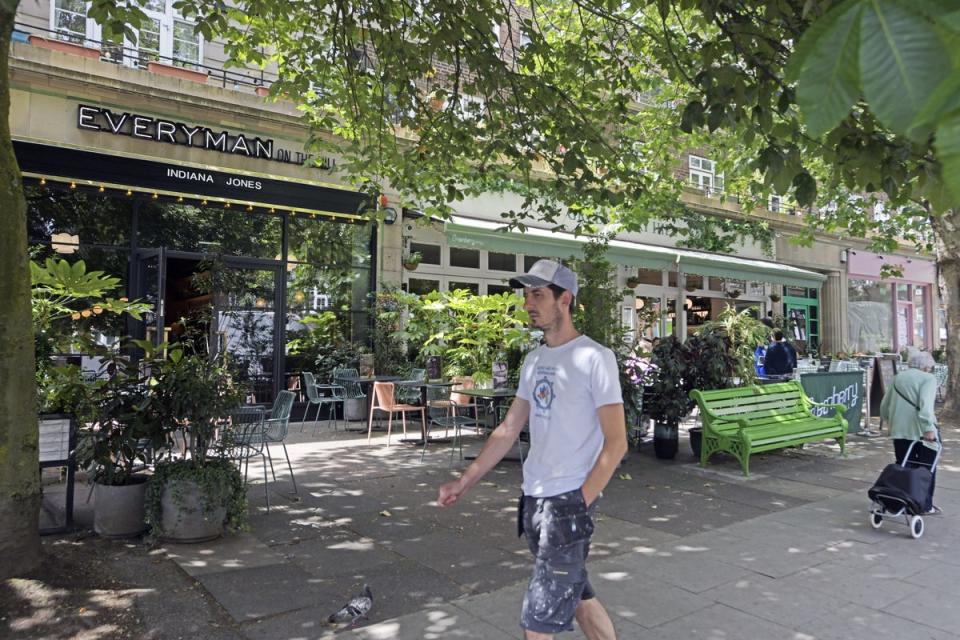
[[262, 91], [177, 72], [411, 266], [64, 47]]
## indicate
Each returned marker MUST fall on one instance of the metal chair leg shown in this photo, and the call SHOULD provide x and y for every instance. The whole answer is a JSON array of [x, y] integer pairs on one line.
[[290, 467]]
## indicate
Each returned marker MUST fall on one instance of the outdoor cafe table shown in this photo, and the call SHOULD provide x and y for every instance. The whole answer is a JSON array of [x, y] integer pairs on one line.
[[423, 385], [497, 398]]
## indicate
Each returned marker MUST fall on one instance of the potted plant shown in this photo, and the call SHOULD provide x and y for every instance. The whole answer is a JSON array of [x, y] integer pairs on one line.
[[633, 282], [715, 369], [191, 499], [412, 260], [774, 297], [668, 383], [734, 293]]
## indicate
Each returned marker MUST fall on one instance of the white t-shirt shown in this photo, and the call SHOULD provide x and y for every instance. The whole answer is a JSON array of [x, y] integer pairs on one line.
[[565, 386]]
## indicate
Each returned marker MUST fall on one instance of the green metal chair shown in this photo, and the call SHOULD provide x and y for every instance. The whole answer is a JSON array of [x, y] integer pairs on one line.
[[321, 395], [411, 395], [277, 426], [243, 438]]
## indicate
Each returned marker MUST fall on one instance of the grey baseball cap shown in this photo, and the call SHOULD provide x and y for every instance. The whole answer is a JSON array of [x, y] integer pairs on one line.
[[544, 272]]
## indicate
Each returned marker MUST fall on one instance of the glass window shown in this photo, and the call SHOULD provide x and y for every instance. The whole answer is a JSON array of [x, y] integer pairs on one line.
[[903, 292], [148, 41], [464, 258], [795, 292], [498, 288], [422, 286], [919, 316], [186, 43], [649, 276], [671, 278], [91, 217], [528, 262], [472, 287], [430, 253], [693, 282], [70, 20], [870, 315], [209, 229], [501, 261]]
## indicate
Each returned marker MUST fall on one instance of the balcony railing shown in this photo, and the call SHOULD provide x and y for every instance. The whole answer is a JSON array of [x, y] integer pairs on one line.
[[258, 81]]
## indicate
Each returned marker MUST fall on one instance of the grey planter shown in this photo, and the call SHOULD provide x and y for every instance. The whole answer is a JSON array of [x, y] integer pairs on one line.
[[184, 517], [355, 409], [118, 511]]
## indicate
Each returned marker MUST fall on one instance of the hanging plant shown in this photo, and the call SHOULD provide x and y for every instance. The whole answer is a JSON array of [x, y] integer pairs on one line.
[[690, 288], [774, 297], [412, 260], [633, 282], [734, 293]]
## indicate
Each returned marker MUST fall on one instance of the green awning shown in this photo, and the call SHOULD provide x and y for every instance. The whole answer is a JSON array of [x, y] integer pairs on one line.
[[471, 233]]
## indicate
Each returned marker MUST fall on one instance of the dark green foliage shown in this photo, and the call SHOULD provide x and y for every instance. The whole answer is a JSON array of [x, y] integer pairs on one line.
[[714, 366], [220, 482], [668, 381]]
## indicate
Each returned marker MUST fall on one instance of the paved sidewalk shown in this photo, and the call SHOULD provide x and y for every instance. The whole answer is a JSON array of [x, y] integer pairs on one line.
[[680, 552]]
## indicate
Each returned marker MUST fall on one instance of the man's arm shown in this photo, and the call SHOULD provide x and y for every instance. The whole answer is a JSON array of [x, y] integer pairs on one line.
[[496, 446], [614, 427]]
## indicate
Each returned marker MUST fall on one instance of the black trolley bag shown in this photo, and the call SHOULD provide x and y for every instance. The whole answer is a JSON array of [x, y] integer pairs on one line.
[[900, 491]]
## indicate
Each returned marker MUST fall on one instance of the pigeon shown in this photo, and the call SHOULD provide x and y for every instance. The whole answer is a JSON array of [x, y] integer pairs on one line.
[[358, 607]]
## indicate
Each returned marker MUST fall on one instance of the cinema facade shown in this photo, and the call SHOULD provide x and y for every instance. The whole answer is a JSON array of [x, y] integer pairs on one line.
[[197, 193]]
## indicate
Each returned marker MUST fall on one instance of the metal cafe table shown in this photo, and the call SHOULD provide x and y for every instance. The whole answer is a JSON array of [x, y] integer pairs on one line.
[[496, 398], [423, 385]]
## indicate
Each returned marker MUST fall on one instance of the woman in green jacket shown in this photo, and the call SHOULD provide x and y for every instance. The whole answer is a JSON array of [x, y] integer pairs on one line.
[[908, 408]]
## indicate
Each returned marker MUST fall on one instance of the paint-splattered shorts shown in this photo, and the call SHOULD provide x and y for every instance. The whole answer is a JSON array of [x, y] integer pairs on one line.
[[558, 530]]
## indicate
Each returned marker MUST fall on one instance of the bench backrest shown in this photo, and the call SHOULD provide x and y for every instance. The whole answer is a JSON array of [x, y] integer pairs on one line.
[[752, 403]]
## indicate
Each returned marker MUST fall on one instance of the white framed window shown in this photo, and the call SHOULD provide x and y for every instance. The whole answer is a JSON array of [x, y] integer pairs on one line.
[[775, 203], [524, 39], [496, 34], [703, 174], [164, 36]]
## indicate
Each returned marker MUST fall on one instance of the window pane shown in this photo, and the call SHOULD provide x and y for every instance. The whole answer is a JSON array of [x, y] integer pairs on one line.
[[501, 261], [903, 292], [528, 262], [209, 230], [93, 218], [186, 42], [430, 252], [869, 317], [472, 287], [421, 286], [465, 258], [498, 288], [919, 316]]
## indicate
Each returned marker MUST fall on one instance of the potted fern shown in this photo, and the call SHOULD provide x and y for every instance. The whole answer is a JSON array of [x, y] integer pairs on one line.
[[412, 260]]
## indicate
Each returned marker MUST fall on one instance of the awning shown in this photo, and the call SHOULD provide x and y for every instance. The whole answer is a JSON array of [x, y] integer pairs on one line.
[[471, 233]]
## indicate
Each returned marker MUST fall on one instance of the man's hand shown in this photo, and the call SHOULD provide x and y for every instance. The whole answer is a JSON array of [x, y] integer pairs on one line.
[[449, 493], [930, 436]]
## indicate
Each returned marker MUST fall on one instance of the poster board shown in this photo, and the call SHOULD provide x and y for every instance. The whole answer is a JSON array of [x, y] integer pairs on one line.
[[838, 387], [885, 369]]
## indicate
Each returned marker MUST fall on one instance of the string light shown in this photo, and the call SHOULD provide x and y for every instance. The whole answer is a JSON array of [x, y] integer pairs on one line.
[[249, 207], [154, 196], [204, 202], [43, 181], [101, 189], [226, 205], [73, 185], [272, 210], [180, 199], [129, 192]]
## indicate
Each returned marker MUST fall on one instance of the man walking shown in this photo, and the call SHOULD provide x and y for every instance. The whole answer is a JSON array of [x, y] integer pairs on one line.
[[781, 358], [569, 393]]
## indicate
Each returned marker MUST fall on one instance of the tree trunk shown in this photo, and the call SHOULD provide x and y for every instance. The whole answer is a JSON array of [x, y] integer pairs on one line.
[[947, 230], [19, 473]]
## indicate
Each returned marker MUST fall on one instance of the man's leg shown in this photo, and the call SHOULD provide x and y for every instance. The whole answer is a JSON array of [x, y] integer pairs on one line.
[[535, 635], [594, 620]]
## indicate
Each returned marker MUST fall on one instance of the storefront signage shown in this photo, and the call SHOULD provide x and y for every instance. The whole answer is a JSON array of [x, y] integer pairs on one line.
[[841, 387], [135, 125], [97, 168]]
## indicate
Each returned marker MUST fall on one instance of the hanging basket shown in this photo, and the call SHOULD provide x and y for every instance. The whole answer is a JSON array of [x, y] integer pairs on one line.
[[633, 283], [774, 297], [734, 293], [411, 266]]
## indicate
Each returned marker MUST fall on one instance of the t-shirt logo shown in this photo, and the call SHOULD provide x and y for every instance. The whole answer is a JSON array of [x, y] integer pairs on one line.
[[543, 394]]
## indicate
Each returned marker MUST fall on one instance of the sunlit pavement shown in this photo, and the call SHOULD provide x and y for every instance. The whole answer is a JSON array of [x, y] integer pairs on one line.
[[680, 552]]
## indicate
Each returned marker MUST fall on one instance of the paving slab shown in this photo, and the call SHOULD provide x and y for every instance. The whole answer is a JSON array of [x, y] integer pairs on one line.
[[694, 572], [235, 551], [852, 621], [338, 551], [259, 592], [856, 582], [433, 623], [788, 605], [720, 622]]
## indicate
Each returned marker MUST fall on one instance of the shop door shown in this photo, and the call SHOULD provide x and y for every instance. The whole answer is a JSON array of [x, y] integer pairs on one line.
[[223, 308]]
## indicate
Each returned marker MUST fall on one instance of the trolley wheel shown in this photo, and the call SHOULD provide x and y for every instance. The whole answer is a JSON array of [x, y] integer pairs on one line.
[[876, 519], [916, 526]]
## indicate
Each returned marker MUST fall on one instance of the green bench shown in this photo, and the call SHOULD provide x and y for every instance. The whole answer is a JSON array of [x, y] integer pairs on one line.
[[747, 420]]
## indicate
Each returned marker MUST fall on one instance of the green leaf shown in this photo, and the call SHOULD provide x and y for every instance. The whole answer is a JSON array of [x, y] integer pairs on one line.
[[828, 84], [943, 101], [947, 145], [901, 62], [805, 189]]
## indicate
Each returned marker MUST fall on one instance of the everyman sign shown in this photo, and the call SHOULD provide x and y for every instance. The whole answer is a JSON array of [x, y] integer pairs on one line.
[[840, 387]]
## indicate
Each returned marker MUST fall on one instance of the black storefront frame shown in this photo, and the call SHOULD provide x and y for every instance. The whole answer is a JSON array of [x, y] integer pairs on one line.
[[78, 170]]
